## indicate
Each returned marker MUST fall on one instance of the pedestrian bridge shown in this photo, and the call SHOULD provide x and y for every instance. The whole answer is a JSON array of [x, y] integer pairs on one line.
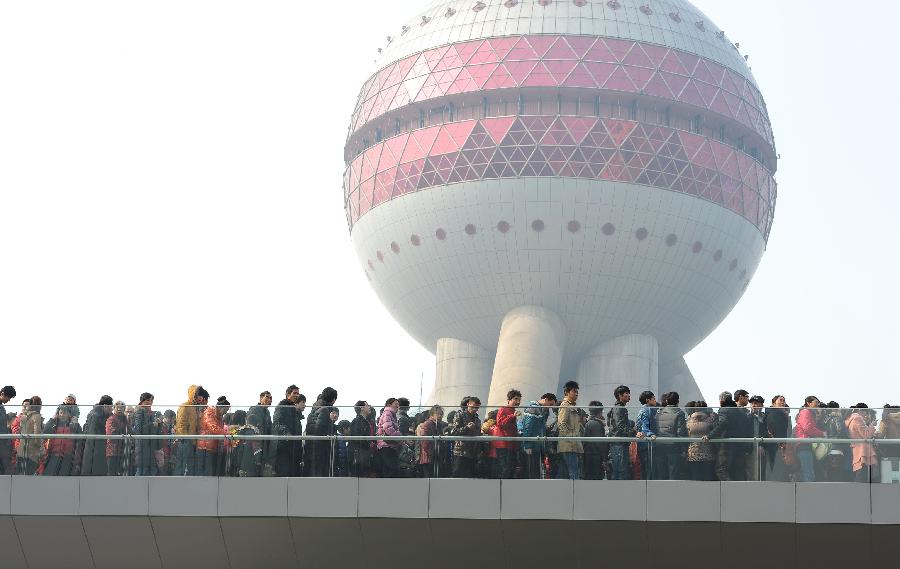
[[241, 523]]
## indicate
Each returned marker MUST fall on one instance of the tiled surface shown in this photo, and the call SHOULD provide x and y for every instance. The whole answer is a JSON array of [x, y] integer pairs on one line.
[[612, 150], [180, 496], [624, 500], [115, 542], [537, 500], [886, 503], [393, 498], [671, 22], [44, 496], [834, 503], [752, 502], [680, 500], [114, 496], [323, 497], [464, 499], [253, 497], [585, 62]]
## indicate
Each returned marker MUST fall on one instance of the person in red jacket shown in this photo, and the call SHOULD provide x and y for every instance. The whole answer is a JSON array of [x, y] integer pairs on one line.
[[506, 427], [807, 428]]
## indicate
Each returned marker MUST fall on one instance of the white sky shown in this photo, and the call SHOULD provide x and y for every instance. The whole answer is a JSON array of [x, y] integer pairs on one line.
[[171, 203]]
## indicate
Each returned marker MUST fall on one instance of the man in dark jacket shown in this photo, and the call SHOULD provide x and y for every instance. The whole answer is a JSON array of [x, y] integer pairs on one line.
[[288, 421], [6, 445], [316, 454], [619, 425], [734, 422], [362, 453], [93, 462], [403, 418], [669, 458], [596, 454], [262, 422]]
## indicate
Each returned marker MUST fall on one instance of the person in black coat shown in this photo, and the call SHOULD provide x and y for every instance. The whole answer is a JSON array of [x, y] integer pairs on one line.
[[733, 423], [261, 419], [362, 452], [596, 454], [317, 453], [94, 456], [288, 421]]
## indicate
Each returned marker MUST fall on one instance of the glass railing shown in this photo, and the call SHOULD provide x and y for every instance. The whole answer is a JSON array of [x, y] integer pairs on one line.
[[245, 452]]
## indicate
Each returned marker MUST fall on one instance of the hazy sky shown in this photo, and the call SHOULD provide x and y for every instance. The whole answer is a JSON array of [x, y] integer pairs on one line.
[[171, 203]]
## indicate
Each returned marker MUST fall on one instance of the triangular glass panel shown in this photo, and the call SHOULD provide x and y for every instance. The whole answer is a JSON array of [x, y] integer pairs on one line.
[[501, 79], [689, 61], [539, 77], [560, 50], [676, 83], [560, 70], [541, 44], [601, 71], [467, 50], [619, 48], [581, 45], [522, 51], [600, 53], [481, 73], [638, 58], [578, 127], [503, 45], [640, 76], [691, 95], [672, 64], [620, 81], [580, 77]]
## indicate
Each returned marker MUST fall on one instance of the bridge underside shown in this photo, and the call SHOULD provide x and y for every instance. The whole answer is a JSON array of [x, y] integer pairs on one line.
[[170, 523]]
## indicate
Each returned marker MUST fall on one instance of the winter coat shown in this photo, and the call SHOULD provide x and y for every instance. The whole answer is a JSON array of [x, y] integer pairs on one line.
[[699, 425], [506, 427], [890, 425], [65, 447], [262, 418], [863, 453], [187, 418], [534, 424], [32, 424], [286, 421], [778, 422], [671, 423], [405, 423], [489, 429], [425, 449], [568, 421], [646, 422], [94, 456], [595, 427], [211, 423], [388, 426], [116, 425], [319, 421], [143, 423], [617, 422], [459, 428], [248, 454], [807, 428]]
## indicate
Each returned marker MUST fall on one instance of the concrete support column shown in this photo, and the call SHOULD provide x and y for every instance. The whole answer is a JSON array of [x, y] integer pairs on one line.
[[631, 360], [529, 354], [463, 368], [676, 376]]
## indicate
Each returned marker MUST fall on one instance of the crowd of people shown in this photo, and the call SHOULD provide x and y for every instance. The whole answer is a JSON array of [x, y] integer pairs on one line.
[[644, 443]]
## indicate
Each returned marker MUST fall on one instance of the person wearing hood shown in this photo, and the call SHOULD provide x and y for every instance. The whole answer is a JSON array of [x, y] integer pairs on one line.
[[93, 462], [211, 451], [387, 451], [116, 426], [6, 445], [187, 422], [317, 454], [63, 457], [288, 422], [31, 450], [534, 424]]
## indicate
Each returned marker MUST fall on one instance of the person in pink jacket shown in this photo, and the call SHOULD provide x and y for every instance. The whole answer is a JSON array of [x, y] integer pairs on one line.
[[807, 428], [862, 425], [388, 425]]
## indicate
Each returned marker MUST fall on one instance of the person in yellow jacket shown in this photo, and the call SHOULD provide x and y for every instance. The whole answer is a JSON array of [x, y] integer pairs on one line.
[[187, 422]]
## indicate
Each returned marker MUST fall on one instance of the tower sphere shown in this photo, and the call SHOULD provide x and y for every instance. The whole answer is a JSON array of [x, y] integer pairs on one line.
[[547, 189]]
